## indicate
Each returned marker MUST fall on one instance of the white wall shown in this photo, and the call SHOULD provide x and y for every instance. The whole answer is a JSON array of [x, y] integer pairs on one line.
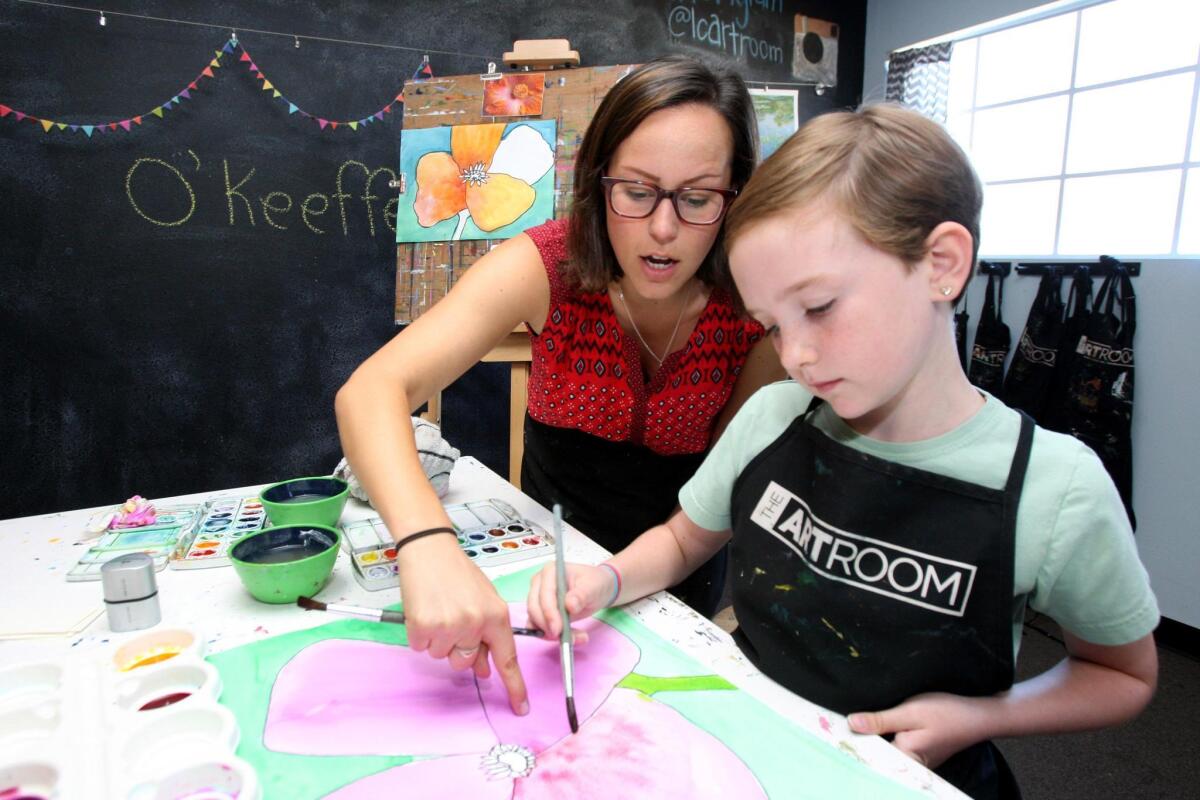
[[1166, 427]]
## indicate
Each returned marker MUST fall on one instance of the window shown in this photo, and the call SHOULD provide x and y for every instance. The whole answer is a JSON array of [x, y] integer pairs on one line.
[[1082, 126]]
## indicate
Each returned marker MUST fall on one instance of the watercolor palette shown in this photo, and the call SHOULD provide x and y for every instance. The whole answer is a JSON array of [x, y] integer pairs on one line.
[[157, 541], [223, 521], [138, 721], [490, 532]]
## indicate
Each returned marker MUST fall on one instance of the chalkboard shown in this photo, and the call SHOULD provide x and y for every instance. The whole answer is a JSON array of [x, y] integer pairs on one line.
[[182, 300]]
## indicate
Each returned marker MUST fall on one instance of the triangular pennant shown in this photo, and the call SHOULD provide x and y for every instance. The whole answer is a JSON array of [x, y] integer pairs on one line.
[[322, 122], [267, 85], [292, 108], [112, 126], [74, 128], [185, 95], [276, 94], [192, 85], [157, 112], [207, 72], [20, 115], [138, 120], [228, 48], [254, 68], [334, 124], [62, 126], [400, 97], [353, 125], [4, 110], [379, 115], [245, 56], [216, 62], [217, 53], [88, 130], [47, 125]]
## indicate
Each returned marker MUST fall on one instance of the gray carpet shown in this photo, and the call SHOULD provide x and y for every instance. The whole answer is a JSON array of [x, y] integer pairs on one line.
[[1156, 755]]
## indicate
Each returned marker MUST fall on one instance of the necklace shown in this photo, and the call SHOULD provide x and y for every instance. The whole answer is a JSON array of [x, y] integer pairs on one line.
[[667, 350]]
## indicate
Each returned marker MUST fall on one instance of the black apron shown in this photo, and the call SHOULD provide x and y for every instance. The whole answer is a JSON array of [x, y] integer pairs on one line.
[[1097, 407], [860, 583], [614, 492], [1079, 312], [992, 340], [961, 318], [1027, 385]]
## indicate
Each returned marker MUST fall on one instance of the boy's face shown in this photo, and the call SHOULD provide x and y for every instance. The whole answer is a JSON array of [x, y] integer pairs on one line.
[[850, 322]]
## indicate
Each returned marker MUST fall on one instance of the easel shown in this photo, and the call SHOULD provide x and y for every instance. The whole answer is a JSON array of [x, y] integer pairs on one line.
[[425, 271]]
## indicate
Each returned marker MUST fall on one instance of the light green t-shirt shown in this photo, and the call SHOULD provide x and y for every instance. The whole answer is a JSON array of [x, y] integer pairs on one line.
[[1075, 556]]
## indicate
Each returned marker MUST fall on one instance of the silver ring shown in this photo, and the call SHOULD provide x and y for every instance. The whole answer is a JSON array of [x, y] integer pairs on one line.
[[466, 652]]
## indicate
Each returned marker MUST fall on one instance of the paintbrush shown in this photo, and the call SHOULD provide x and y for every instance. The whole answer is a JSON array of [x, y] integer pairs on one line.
[[378, 614]]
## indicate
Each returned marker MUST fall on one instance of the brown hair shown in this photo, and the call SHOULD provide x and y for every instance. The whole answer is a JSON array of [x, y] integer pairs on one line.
[[662, 83], [894, 174]]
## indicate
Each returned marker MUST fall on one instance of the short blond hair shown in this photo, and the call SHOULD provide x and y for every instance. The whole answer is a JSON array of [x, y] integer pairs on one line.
[[894, 174]]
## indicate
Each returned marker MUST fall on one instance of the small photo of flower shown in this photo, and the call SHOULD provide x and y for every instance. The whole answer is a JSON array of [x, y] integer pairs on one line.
[[514, 95]]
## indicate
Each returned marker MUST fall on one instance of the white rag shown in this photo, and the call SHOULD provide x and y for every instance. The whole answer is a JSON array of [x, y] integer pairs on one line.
[[437, 460]]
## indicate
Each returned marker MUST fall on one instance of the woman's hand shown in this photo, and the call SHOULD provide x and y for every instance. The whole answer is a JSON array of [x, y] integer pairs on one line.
[[454, 612], [589, 589]]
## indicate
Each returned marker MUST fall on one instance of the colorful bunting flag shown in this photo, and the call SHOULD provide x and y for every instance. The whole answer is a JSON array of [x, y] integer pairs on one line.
[[424, 72]]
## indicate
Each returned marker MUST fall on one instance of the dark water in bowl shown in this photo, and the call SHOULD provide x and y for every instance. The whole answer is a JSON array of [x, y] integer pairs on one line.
[[304, 498], [283, 554]]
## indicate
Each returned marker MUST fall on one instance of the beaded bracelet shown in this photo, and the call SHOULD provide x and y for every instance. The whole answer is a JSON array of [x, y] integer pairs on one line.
[[617, 589], [421, 534]]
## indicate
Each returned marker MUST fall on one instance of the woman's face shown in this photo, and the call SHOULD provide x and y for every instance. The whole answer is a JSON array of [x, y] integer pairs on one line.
[[688, 145]]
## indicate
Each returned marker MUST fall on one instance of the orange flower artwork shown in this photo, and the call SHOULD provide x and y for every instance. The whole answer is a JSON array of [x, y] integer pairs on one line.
[[514, 95], [487, 177]]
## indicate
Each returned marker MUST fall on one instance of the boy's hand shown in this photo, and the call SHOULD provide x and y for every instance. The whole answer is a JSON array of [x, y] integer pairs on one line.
[[929, 727], [588, 590]]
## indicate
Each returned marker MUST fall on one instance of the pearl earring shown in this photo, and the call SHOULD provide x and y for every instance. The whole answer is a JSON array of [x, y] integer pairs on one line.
[[947, 291]]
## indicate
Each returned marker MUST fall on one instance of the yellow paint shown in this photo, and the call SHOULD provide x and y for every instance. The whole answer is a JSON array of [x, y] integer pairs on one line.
[[783, 587], [149, 657], [835, 630]]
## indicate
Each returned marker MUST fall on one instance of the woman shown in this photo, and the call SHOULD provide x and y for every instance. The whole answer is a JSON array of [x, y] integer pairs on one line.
[[638, 361]]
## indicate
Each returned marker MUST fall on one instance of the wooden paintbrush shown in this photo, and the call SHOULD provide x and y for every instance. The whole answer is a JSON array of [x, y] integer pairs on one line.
[[378, 614]]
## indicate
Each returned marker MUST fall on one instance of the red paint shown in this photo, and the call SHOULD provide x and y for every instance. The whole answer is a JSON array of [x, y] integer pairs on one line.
[[531, 540], [390, 553], [165, 700]]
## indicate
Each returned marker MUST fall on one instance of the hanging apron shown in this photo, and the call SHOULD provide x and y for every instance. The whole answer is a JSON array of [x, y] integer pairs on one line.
[[992, 340], [1079, 311], [1098, 404], [1027, 385], [960, 327], [859, 583]]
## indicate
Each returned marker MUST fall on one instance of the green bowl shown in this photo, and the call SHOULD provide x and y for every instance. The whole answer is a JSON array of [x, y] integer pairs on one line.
[[306, 501], [279, 564]]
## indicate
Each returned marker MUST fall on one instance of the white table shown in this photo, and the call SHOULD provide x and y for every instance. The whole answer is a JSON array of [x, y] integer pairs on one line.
[[45, 617]]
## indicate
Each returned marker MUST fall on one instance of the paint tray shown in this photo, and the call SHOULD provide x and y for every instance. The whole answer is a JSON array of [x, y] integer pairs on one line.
[[157, 541], [136, 721], [490, 532], [223, 521]]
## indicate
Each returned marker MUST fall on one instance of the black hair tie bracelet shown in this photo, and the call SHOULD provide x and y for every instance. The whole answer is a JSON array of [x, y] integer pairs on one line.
[[422, 534]]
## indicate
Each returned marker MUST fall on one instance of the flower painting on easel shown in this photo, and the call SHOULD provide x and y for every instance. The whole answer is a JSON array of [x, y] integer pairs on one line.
[[476, 181]]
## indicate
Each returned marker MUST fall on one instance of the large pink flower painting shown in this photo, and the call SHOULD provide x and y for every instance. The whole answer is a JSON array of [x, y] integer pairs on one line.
[[466, 742]]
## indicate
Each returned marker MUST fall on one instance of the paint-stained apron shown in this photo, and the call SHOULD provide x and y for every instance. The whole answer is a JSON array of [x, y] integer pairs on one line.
[[859, 583]]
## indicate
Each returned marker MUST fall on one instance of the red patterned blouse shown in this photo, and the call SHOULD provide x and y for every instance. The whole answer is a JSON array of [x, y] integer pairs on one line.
[[586, 373]]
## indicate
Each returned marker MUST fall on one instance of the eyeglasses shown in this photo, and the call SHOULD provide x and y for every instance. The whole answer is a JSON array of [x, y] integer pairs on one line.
[[638, 199]]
